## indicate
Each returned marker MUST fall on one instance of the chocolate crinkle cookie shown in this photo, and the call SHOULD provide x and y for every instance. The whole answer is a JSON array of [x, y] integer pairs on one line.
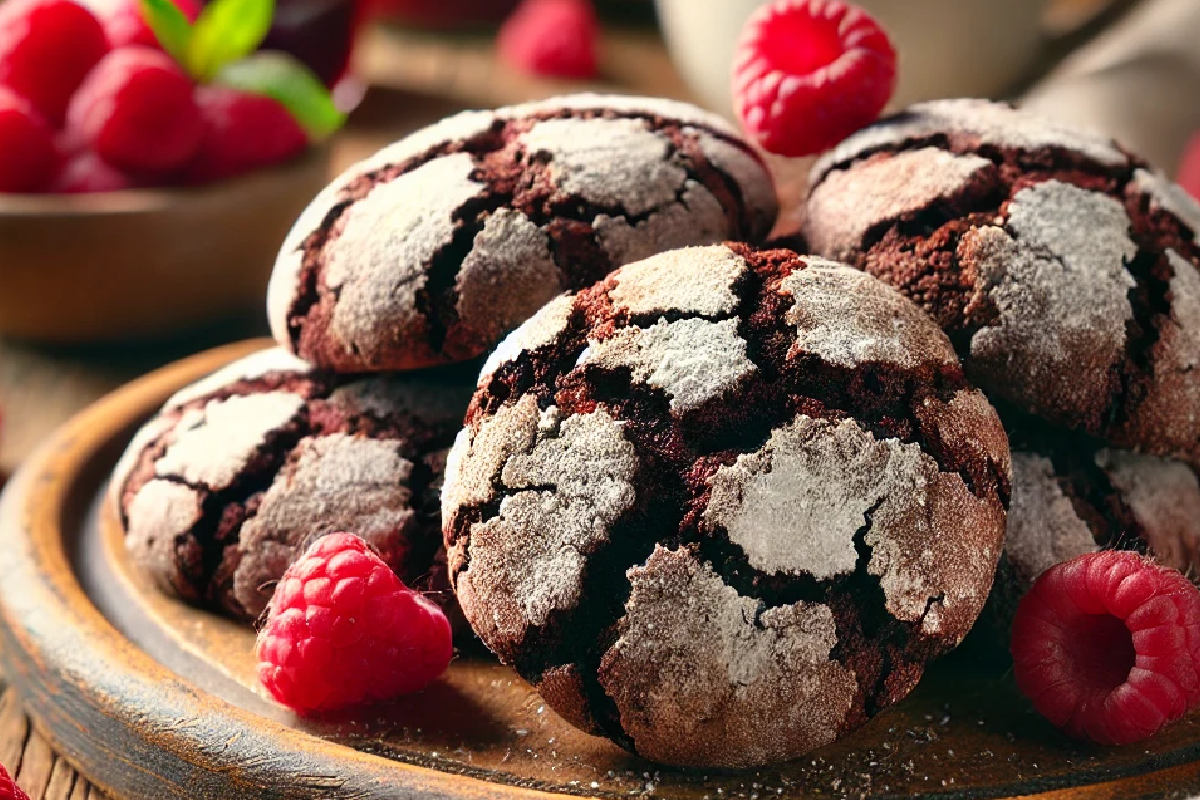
[[724, 505], [434, 248], [239, 473], [1063, 268], [1073, 495]]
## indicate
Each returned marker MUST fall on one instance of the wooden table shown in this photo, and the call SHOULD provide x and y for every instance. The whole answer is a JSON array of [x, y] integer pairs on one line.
[[42, 773]]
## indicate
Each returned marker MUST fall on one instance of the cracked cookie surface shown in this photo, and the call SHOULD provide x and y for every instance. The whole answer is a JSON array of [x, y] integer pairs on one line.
[[1065, 270], [238, 473], [432, 249], [724, 505]]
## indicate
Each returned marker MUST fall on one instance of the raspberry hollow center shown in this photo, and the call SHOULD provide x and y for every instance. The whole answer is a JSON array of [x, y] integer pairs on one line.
[[1099, 648], [800, 45]]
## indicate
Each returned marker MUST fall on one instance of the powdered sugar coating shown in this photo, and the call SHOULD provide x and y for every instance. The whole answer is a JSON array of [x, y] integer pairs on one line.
[[508, 274], [376, 262], [146, 435], [1166, 195], [240, 425], [796, 505], [334, 483], [929, 574], [609, 179], [701, 675], [258, 365], [693, 360], [541, 329], [848, 318], [983, 121], [526, 562], [697, 217], [608, 162], [694, 280], [1057, 277], [1043, 527], [849, 203], [162, 516], [285, 278]]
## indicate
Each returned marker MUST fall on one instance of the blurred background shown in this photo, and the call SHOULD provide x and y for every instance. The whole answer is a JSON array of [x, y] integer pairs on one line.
[[100, 288]]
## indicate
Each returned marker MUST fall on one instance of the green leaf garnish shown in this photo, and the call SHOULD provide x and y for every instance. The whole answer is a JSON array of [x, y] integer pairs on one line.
[[170, 26], [227, 31], [282, 77]]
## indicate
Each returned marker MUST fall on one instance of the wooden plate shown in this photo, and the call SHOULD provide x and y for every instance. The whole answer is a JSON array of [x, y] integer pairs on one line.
[[152, 699]]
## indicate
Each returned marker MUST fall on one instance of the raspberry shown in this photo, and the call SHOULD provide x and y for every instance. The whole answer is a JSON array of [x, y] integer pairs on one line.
[[137, 111], [8, 787], [242, 132], [342, 630], [1189, 167], [46, 49], [27, 153], [555, 38], [1107, 646], [124, 24], [808, 73], [87, 173]]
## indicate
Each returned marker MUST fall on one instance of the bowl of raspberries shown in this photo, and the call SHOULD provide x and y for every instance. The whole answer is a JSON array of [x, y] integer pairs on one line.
[[148, 150]]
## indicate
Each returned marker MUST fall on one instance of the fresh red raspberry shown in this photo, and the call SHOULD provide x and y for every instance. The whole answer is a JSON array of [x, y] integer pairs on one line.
[[125, 25], [137, 111], [808, 73], [46, 49], [342, 630], [88, 173], [1189, 167], [1107, 646], [554, 38], [242, 132], [8, 787], [28, 156]]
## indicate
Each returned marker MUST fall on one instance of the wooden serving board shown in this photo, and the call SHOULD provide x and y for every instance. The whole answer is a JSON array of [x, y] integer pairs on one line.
[[152, 699]]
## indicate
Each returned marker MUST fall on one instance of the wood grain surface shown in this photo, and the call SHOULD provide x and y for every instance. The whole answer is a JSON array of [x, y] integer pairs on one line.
[[38, 769]]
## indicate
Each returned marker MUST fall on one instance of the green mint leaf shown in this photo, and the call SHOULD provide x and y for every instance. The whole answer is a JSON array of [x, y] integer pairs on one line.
[[227, 31], [282, 77], [170, 26]]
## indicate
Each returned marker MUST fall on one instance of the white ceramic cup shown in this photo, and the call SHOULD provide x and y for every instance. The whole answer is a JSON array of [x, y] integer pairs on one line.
[[947, 48]]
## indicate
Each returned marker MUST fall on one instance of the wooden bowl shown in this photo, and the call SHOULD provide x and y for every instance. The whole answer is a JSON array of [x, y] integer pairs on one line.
[[152, 699], [136, 264]]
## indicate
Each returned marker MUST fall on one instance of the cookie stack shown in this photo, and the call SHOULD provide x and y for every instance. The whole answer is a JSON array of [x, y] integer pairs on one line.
[[408, 266], [719, 504], [1067, 273]]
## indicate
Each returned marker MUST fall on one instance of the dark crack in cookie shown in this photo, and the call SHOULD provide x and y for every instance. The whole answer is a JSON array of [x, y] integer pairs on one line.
[[240, 472], [434, 248], [1064, 269], [724, 505]]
